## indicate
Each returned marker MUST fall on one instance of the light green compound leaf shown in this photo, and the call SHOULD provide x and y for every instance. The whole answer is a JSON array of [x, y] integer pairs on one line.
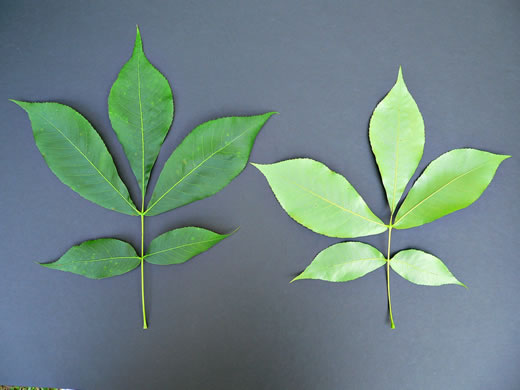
[[75, 152], [343, 262], [140, 106], [206, 161], [98, 259], [180, 245], [451, 182], [422, 268], [396, 135], [320, 199]]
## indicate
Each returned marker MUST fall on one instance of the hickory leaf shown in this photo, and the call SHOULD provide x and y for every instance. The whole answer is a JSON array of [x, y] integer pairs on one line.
[[396, 135], [326, 203], [451, 182], [141, 112], [422, 268], [343, 262], [75, 152], [180, 245], [320, 199], [206, 161], [98, 259], [140, 106]]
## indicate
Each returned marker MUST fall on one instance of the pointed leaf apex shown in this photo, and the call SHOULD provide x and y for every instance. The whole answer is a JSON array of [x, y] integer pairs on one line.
[[400, 74], [233, 232], [269, 114], [295, 279], [20, 103], [138, 40]]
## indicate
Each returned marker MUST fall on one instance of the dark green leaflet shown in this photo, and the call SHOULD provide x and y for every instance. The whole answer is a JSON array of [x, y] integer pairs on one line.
[[141, 112], [140, 106], [98, 259], [180, 245], [326, 203], [206, 161], [77, 155]]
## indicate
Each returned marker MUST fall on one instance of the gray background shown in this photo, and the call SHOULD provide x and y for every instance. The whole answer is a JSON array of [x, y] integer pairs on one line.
[[229, 319]]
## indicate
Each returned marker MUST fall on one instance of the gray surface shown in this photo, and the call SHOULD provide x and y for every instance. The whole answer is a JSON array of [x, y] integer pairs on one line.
[[229, 319]]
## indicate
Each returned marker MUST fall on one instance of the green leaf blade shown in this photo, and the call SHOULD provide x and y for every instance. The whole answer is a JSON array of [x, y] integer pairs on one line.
[[320, 199], [422, 268], [140, 107], [98, 259], [396, 134], [451, 182], [343, 262], [206, 161], [77, 155], [179, 245]]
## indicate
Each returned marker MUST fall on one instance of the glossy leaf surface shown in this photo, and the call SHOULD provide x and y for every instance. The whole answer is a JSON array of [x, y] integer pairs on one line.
[[140, 106], [98, 259], [343, 262], [397, 138], [75, 152], [206, 161], [180, 245], [320, 199], [422, 268], [451, 182]]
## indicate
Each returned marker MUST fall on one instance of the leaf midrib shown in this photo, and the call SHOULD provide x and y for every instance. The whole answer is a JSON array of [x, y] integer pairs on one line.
[[396, 157], [181, 246], [332, 203], [95, 260], [143, 187]]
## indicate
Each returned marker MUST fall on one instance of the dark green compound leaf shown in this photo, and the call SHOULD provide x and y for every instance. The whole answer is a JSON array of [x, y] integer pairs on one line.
[[98, 259], [344, 262], [206, 161], [179, 245], [77, 155], [422, 268], [141, 112], [140, 106]]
